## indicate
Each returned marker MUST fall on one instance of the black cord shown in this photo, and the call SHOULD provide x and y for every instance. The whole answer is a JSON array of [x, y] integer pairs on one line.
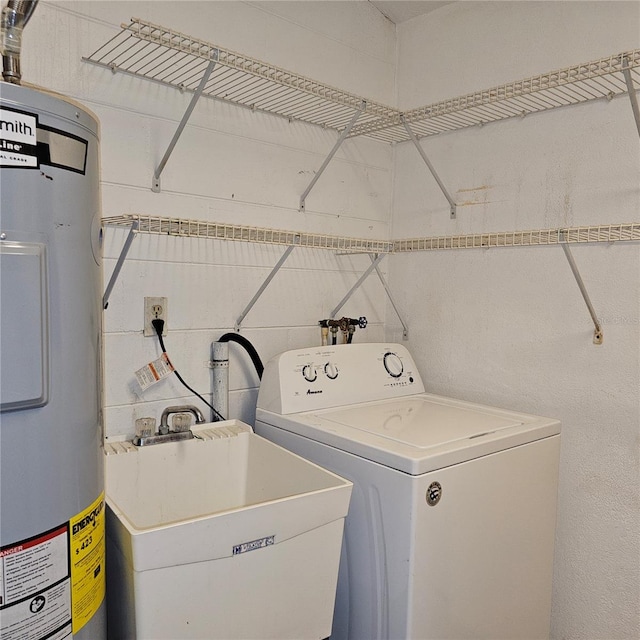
[[158, 325]]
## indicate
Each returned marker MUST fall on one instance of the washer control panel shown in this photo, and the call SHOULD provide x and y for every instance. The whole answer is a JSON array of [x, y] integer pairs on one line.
[[333, 376]]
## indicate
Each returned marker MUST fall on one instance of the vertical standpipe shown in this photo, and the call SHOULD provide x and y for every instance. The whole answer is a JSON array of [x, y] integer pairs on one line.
[[52, 511], [220, 378]]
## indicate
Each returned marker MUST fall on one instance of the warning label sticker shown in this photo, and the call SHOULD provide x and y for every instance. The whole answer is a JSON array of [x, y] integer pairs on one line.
[[53, 583], [35, 591], [154, 371]]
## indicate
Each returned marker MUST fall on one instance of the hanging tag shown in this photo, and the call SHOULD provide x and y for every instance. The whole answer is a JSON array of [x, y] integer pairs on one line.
[[154, 372]]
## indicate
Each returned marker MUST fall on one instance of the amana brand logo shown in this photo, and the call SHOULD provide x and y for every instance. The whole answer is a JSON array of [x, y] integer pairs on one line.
[[310, 392]]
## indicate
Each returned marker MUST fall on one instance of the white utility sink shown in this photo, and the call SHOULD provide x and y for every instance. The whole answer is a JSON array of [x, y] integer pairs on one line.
[[223, 536]]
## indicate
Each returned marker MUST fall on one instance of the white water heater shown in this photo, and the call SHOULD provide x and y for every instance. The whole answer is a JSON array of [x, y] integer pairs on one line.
[[52, 536]]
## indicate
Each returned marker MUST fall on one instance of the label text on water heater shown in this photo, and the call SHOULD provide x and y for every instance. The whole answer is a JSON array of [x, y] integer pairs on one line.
[[18, 143]]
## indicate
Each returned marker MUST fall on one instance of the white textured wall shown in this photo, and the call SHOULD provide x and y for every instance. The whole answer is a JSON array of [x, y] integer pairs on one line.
[[508, 326], [229, 165]]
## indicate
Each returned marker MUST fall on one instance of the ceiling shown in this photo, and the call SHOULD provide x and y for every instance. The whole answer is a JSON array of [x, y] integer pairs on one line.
[[402, 10]]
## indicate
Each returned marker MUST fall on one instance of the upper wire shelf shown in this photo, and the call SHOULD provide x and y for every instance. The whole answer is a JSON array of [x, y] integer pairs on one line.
[[172, 58], [595, 80], [175, 59]]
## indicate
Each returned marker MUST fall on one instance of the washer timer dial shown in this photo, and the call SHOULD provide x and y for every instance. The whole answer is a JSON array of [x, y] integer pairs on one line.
[[393, 364], [309, 373], [331, 371]]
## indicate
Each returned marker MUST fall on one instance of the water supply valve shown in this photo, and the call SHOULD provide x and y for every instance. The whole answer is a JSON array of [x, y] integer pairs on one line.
[[360, 322], [346, 325], [352, 323]]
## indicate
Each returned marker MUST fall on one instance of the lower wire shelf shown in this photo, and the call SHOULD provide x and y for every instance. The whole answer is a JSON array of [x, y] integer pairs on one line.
[[243, 233], [376, 249], [263, 235]]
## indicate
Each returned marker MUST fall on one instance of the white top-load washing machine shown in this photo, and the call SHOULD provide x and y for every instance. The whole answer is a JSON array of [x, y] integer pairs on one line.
[[450, 529]]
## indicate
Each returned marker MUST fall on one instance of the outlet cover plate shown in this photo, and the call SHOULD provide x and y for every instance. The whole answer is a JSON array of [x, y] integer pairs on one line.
[[154, 308]]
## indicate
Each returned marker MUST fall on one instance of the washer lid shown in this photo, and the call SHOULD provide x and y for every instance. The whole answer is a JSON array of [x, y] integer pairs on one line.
[[417, 434], [422, 423]]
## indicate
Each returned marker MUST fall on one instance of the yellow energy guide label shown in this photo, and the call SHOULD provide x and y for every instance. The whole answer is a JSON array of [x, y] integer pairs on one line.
[[88, 584], [52, 583]]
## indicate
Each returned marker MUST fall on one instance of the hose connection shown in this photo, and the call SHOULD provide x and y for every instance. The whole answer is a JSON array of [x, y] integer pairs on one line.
[[346, 325]]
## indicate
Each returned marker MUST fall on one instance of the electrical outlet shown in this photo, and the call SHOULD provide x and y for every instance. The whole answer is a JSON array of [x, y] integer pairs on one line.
[[154, 308]]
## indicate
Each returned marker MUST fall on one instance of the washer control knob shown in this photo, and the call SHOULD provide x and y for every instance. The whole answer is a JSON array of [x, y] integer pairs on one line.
[[331, 371], [393, 364], [309, 373]]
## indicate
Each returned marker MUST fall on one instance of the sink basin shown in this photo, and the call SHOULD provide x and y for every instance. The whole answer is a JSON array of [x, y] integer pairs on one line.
[[223, 536]]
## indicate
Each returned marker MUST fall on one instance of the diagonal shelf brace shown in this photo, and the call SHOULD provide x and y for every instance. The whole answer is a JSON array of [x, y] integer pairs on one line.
[[423, 155], [155, 186], [626, 70], [341, 139], [123, 255], [597, 334], [374, 263], [264, 285], [405, 330]]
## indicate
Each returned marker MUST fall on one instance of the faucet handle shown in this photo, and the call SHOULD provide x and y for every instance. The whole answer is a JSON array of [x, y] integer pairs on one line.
[[181, 422], [145, 427]]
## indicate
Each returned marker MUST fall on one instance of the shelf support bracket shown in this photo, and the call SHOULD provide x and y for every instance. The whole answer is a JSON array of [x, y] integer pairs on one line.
[[626, 70], [264, 285], [333, 151], [423, 155], [374, 263], [405, 330], [123, 255], [597, 334], [155, 186]]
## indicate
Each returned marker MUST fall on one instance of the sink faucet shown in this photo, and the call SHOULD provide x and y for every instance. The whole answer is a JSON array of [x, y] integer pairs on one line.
[[186, 408], [164, 434]]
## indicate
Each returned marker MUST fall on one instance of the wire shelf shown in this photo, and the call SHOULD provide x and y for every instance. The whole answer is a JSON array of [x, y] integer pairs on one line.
[[567, 235], [600, 79], [175, 59], [241, 233], [223, 231]]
